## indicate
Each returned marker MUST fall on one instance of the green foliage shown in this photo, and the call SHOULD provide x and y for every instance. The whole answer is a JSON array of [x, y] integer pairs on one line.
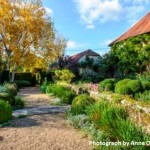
[[133, 54], [134, 85], [5, 111], [19, 103], [113, 120], [80, 103], [145, 96], [102, 113], [64, 75], [22, 83], [106, 85], [122, 87], [65, 94], [44, 86], [7, 97], [145, 85]]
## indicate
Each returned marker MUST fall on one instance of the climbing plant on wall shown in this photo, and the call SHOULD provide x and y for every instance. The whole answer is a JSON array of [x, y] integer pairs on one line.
[[133, 54]]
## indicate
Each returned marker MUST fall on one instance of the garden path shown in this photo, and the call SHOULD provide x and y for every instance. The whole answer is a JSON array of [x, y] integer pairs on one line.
[[41, 131]]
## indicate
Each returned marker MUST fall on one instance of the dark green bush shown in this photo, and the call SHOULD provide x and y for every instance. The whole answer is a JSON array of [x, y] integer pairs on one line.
[[80, 103], [26, 76], [134, 85], [106, 85], [19, 103], [7, 97], [122, 87], [22, 83], [5, 111]]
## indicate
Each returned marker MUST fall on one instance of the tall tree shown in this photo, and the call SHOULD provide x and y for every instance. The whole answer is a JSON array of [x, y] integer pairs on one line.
[[24, 31]]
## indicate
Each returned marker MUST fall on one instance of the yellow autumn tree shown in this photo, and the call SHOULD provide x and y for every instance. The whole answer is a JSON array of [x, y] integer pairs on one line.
[[25, 31]]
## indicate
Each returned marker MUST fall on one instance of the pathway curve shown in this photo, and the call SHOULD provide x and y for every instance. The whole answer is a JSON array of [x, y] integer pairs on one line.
[[41, 132]]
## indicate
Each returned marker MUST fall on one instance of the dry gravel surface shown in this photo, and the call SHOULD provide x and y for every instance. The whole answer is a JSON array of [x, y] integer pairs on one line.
[[41, 132]]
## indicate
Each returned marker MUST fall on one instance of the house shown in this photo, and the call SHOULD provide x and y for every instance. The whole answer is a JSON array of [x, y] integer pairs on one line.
[[141, 27], [80, 57]]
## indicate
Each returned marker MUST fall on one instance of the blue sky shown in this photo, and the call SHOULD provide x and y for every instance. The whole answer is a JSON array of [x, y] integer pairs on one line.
[[93, 24]]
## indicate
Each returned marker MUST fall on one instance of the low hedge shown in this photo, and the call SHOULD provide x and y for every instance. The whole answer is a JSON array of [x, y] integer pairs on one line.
[[122, 87], [134, 85], [26, 76], [65, 94], [22, 83], [107, 85], [5, 111]]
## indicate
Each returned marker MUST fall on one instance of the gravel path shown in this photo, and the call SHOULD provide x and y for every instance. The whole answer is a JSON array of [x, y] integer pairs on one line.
[[41, 132]]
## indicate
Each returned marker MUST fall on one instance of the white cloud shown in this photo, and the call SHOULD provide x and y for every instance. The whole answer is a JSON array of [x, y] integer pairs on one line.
[[98, 10], [49, 11], [92, 11], [72, 44]]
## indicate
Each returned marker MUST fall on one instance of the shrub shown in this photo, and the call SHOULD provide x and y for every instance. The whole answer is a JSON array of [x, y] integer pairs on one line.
[[122, 87], [145, 96], [106, 85], [5, 111], [65, 94], [11, 88], [134, 85], [55, 89], [19, 103], [67, 97], [80, 103], [22, 83], [7, 97], [64, 75], [145, 85], [44, 86], [102, 113]]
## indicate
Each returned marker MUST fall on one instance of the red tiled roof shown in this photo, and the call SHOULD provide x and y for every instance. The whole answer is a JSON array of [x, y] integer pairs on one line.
[[141, 27], [77, 57]]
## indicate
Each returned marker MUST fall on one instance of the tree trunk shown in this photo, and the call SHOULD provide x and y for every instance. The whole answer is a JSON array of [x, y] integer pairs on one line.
[[13, 73]]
